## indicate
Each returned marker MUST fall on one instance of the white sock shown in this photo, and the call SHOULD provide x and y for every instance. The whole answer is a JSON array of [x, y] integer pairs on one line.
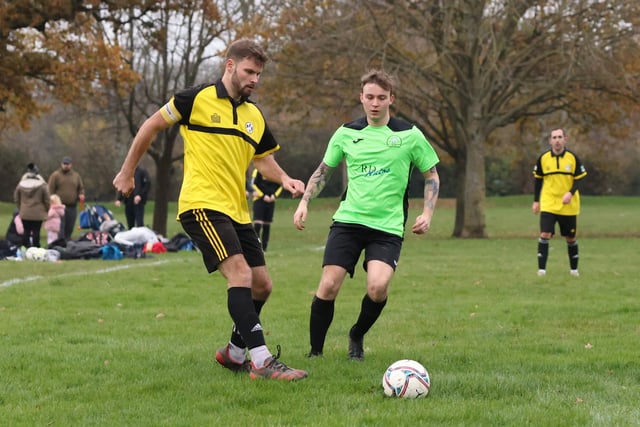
[[259, 355], [237, 353]]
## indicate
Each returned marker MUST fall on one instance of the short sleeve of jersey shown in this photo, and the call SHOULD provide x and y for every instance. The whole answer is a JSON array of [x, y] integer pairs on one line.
[[334, 153], [580, 171], [268, 144], [179, 107], [424, 156], [537, 169]]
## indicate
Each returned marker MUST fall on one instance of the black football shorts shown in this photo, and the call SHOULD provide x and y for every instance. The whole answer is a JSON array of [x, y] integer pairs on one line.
[[218, 237]]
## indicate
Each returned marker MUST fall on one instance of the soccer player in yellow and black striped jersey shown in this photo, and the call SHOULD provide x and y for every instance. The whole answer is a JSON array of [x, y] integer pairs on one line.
[[223, 132], [557, 174]]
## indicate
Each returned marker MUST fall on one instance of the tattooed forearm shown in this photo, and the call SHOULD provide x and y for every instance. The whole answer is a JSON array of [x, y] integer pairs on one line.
[[317, 182], [431, 189]]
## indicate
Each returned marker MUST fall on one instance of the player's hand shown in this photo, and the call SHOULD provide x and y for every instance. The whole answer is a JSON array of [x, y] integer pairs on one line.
[[293, 186], [566, 198], [300, 215], [421, 225], [535, 207], [124, 183]]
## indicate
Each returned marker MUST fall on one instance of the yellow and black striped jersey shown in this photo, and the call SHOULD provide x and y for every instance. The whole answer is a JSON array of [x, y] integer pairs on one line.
[[559, 173], [221, 137]]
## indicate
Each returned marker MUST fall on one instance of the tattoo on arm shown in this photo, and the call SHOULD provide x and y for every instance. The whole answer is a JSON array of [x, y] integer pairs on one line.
[[317, 182], [431, 190]]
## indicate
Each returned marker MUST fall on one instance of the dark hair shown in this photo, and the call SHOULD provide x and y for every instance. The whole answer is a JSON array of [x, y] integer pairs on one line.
[[32, 168], [379, 77], [247, 48]]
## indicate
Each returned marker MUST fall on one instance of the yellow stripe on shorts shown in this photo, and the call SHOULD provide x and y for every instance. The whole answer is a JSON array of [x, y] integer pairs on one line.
[[211, 234]]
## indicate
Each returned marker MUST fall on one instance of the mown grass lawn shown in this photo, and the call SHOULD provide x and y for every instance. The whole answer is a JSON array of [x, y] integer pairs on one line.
[[131, 342]]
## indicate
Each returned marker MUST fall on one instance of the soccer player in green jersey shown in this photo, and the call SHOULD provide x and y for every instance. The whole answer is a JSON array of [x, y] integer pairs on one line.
[[223, 132], [556, 197], [380, 152]]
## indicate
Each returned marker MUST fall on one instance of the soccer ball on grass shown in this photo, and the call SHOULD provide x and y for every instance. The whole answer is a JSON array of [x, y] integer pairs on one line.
[[406, 378], [35, 254]]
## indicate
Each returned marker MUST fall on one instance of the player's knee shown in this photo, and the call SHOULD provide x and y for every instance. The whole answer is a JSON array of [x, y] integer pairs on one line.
[[261, 288], [236, 270], [328, 289], [377, 291]]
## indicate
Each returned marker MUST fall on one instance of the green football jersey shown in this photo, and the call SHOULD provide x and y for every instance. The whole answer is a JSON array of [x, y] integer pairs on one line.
[[379, 160]]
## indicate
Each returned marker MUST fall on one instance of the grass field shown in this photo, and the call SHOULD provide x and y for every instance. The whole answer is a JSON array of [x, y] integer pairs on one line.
[[131, 342]]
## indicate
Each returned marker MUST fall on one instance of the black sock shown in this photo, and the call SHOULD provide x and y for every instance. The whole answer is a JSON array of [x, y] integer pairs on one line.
[[236, 339], [266, 229], [244, 315], [319, 322], [543, 253], [572, 249], [369, 313]]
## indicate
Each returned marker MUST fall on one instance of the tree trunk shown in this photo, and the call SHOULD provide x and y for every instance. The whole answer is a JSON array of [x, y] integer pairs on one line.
[[460, 181], [474, 190]]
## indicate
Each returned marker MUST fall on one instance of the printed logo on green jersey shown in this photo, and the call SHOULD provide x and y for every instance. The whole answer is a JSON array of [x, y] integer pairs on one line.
[[372, 170], [394, 141]]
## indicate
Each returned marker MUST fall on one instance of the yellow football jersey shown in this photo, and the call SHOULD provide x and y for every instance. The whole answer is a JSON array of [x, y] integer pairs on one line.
[[221, 137], [558, 174]]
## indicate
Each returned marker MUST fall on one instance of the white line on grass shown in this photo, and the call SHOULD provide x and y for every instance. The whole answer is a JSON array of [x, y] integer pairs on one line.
[[11, 282]]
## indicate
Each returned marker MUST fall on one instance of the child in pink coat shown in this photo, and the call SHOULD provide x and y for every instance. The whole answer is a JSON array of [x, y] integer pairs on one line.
[[55, 219]]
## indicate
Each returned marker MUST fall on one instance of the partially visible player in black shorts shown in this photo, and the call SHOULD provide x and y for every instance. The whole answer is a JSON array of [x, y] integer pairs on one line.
[[265, 193]]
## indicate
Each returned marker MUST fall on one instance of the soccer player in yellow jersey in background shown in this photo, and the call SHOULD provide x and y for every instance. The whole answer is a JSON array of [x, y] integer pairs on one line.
[[223, 132], [557, 174]]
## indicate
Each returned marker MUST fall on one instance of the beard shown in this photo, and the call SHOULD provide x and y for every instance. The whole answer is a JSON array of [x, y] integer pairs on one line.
[[242, 90]]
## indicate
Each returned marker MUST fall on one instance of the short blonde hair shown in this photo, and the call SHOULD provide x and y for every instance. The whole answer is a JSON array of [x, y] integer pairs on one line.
[[55, 199], [379, 77]]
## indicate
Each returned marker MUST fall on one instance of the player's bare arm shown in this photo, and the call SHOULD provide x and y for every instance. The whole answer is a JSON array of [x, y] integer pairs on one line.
[[124, 181], [271, 170], [431, 192], [316, 184]]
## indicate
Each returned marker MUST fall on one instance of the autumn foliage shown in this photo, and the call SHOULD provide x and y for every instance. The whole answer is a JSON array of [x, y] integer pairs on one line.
[[54, 50]]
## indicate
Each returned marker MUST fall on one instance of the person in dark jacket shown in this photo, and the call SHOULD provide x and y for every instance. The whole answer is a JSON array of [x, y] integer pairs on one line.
[[135, 202], [32, 198]]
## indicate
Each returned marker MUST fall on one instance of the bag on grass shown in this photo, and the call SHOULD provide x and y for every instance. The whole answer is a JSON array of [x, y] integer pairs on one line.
[[111, 251], [7, 249], [179, 242], [79, 250]]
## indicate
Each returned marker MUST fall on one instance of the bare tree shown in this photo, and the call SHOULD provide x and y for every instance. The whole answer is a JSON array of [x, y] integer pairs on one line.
[[466, 67]]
